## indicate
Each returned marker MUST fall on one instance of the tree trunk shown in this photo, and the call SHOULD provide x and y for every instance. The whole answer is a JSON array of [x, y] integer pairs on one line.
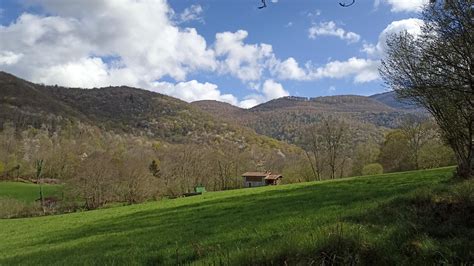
[[465, 169]]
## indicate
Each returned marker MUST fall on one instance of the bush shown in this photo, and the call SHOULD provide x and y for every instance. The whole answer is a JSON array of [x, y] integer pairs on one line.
[[13, 208], [372, 169]]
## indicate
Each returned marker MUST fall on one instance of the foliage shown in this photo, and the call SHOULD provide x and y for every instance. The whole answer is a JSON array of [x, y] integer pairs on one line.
[[435, 154], [382, 215], [12, 208], [395, 152], [434, 70], [364, 154], [372, 169]]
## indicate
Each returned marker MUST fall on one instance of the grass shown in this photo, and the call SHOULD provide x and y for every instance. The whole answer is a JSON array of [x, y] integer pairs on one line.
[[419, 217], [27, 192]]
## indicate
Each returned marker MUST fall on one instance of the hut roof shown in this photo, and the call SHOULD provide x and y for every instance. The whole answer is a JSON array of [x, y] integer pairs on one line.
[[266, 175]]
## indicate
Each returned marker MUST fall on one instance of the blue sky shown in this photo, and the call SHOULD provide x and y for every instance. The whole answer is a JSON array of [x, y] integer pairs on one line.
[[193, 49]]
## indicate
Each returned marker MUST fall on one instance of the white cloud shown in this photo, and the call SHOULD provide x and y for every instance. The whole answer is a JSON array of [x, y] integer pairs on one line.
[[270, 90], [411, 25], [192, 13], [403, 5], [330, 29], [244, 61], [273, 90], [82, 31], [194, 91], [9, 58], [362, 70], [288, 69]]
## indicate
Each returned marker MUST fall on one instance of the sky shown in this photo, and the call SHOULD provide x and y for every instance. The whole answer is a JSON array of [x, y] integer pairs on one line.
[[225, 50]]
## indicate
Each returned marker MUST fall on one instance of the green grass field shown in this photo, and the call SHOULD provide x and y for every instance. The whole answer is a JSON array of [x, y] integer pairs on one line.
[[385, 219], [27, 192]]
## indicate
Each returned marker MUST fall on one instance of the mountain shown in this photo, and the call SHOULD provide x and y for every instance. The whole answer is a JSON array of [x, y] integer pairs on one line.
[[390, 99], [289, 117], [122, 110], [136, 111]]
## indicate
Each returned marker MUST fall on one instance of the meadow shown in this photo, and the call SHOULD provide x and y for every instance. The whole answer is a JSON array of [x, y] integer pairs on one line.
[[27, 192], [419, 217]]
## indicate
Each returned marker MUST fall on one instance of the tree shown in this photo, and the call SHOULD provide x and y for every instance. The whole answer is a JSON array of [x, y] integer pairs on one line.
[[328, 143], [435, 154], [316, 152], [364, 154], [372, 169], [435, 70], [154, 169], [335, 134], [417, 132], [395, 152]]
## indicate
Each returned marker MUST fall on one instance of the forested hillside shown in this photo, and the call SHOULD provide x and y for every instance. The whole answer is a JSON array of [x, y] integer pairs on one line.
[[124, 144], [288, 118], [121, 109]]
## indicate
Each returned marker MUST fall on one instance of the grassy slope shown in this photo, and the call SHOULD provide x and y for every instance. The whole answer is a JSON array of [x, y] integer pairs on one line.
[[27, 192], [260, 225]]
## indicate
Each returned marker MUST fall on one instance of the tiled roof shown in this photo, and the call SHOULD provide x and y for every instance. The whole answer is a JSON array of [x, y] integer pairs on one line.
[[266, 175], [256, 174]]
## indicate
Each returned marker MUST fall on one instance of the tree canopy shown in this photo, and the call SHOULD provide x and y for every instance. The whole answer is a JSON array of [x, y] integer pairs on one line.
[[435, 69]]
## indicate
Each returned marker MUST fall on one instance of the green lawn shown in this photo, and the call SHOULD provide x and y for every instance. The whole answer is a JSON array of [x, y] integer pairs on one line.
[[370, 220], [27, 192]]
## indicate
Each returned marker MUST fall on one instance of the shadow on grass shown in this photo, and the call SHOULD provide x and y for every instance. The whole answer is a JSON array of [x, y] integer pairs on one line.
[[431, 226], [230, 229]]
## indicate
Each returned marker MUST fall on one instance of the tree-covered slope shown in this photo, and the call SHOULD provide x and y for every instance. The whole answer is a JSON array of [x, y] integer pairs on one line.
[[288, 118], [120, 109]]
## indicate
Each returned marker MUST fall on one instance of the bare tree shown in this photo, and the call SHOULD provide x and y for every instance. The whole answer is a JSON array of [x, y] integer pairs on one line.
[[435, 69], [328, 144], [316, 152], [335, 134]]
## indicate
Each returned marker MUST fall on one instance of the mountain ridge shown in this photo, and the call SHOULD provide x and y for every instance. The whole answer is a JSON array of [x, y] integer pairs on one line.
[[121, 109]]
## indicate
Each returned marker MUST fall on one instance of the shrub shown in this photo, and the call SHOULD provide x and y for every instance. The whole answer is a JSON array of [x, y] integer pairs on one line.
[[13, 208], [372, 169]]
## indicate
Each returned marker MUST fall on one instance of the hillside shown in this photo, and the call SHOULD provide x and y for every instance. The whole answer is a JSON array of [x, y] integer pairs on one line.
[[120, 109], [288, 118], [390, 99], [416, 217]]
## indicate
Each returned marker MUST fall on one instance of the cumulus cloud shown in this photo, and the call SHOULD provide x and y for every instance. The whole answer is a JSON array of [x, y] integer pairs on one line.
[[403, 5], [83, 31], [194, 91], [411, 25], [362, 70], [244, 61], [330, 29], [288, 69], [270, 90], [273, 90]]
